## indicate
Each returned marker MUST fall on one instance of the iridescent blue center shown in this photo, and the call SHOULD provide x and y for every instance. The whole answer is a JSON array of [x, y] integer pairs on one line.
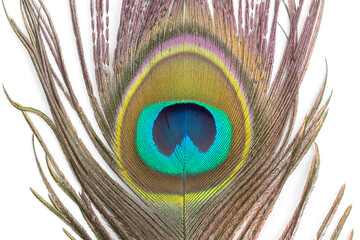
[[183, 137], [177, 121]]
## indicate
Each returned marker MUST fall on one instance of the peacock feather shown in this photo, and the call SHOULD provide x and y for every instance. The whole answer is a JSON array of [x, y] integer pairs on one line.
[[196, 124]]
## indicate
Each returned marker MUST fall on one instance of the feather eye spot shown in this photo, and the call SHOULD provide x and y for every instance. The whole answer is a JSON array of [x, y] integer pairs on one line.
[[184, 114]]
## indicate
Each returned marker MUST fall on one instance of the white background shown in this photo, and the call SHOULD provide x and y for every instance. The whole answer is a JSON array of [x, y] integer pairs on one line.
[[23, 217]]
